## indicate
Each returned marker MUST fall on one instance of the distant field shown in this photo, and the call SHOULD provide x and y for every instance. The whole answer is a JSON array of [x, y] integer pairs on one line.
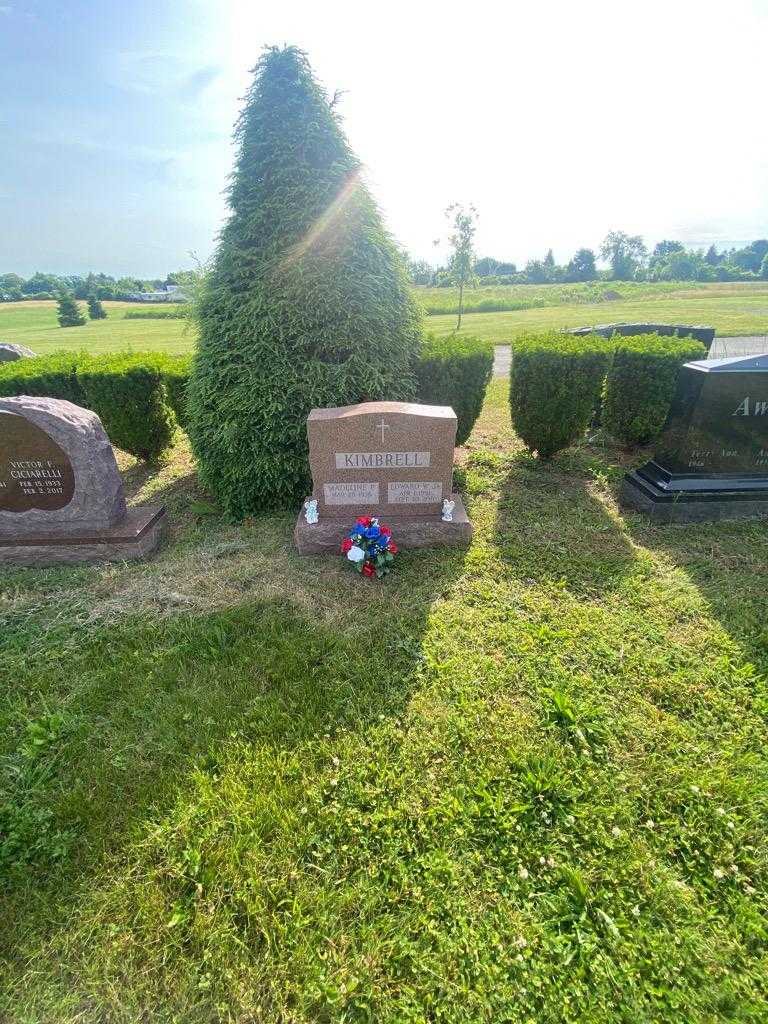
[[730, 309], [34, 324], [531, 296], [733, 309]]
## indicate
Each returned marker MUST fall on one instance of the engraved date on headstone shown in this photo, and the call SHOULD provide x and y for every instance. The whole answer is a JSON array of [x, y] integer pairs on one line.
[[414, 492], [35, 472], [350, 493]]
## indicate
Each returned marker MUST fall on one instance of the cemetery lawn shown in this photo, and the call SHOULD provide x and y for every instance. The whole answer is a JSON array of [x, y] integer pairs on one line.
[[733, 309], [525, 782]]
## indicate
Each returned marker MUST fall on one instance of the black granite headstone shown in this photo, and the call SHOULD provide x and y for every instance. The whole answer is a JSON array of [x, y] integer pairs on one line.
[[711, 461], [706, 335]]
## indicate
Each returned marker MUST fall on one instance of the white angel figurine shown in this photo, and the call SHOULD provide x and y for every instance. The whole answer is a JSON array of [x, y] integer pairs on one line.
[[310, 510], [448, 507]]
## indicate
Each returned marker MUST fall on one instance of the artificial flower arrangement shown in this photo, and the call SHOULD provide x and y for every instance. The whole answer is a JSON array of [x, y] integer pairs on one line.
[[370, 548]]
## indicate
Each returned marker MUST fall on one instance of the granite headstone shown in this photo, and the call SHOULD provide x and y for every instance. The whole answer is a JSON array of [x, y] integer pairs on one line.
[[711, 461], [391, 460], [61, 495], [706, 335], [9, 353]]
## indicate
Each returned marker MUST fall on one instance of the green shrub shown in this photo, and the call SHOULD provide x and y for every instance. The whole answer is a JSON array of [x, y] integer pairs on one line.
[[52, 376], [307, 303], [175, 313], [641, 383], [129, 394], [455, 371], [555, 386], [176, 372]]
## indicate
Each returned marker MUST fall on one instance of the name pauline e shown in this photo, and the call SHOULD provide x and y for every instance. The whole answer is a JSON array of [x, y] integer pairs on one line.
[[382, 460]]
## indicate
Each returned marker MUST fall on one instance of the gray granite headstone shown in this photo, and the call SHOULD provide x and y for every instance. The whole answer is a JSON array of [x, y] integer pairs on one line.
[[9, 352], [61, 494]]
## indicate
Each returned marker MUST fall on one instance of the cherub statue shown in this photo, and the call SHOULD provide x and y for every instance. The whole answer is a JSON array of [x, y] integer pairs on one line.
[[448, 507], [310, 511]]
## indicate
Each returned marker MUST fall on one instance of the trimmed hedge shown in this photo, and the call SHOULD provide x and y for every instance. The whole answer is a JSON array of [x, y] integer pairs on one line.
[[449, 371], [641, 383], [53, 376], [455, 371], [134, 394], [129, 394], [176, 371], [555, 385], [155, 314]]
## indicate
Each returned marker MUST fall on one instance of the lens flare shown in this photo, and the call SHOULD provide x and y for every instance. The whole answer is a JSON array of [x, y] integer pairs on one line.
[[322, 230]]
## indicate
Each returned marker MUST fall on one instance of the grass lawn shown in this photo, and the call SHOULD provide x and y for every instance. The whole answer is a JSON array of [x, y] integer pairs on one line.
[[34, 324], [733, 309], [730, 309], [526, 782], [523, 296]]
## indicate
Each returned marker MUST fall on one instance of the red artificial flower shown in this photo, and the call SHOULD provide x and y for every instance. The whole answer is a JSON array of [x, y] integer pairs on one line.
[[346, 544], [364, 521], [392, 548], [368, 569], [385, 531]]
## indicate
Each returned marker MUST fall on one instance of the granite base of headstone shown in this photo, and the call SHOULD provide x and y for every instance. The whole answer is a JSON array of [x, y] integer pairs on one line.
[[389, 460], [711, 461], [61, 495]]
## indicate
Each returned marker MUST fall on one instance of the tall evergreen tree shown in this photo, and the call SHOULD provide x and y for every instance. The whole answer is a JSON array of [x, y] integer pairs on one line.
[[95, 309], [307, 303], [68, 313]]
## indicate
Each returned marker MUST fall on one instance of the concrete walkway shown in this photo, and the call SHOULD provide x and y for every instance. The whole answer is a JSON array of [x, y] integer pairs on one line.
[[722, 348], [725, 348]]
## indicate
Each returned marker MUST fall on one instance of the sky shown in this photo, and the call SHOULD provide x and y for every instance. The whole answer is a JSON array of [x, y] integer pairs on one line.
[[559, 121]]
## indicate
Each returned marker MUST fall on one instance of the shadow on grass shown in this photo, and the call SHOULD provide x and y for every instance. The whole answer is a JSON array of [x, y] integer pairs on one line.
[[551, 527], [126, 713], [727, 562]]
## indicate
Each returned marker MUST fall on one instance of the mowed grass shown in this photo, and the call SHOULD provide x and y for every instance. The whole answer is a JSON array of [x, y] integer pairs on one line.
[[525, 782], [733, 309], [522, 296], [34, 324], [730, 309]]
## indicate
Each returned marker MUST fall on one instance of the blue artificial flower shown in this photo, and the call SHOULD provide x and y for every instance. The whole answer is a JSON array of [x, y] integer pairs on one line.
[[373, 532]]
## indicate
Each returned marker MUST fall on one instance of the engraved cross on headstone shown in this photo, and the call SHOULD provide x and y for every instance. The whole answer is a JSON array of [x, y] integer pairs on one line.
[[382, 426]]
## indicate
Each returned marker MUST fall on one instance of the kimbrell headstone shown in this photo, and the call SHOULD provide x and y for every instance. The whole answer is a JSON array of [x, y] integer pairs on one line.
[[61, 496], [392, 460], [711, 460]]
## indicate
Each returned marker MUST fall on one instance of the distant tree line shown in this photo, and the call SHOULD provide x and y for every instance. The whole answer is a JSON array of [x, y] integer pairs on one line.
[[13, 288], [626, 256], [627, 259]]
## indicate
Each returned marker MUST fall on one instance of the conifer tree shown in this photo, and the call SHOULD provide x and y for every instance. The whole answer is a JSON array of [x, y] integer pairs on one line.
[[68, 313], [307, 302], [95, 309]]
